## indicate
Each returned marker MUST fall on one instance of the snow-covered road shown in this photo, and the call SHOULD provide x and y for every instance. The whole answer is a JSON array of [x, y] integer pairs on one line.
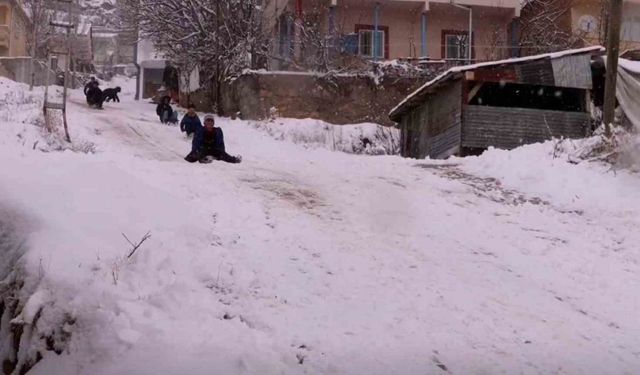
[[303, 260]]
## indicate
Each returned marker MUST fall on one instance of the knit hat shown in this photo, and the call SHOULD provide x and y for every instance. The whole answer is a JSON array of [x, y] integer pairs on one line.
[[209, 117]]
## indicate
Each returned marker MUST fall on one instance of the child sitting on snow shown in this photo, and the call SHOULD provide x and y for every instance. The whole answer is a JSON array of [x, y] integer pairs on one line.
[[208, 145], [165, 112]]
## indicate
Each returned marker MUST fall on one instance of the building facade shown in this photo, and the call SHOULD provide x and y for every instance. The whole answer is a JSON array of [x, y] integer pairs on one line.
[[395, 29], [151, 66], [585, 21], [588, 19], [14, 29]]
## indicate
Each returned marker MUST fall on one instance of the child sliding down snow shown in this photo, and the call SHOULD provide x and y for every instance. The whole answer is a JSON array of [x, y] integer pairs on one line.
[[208, 145], [165, 112]]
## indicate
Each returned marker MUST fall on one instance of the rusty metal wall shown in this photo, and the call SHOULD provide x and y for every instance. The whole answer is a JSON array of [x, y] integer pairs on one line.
[[507, 128]]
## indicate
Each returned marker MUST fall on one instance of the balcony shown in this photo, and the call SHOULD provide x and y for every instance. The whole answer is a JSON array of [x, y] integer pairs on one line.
[[5, 35], [509, 4]]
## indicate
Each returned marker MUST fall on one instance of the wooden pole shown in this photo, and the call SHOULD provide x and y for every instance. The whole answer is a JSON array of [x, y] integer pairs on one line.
[[66, 77], [218, 79], [613, 52], [34, 38]]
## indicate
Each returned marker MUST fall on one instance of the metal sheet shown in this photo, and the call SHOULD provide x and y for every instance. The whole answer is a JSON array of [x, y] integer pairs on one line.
[[508, 128], [573, 71]]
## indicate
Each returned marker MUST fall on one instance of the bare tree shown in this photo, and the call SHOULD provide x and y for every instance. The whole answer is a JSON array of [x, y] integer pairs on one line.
[[546, 27], [494, 44], [41, 31]]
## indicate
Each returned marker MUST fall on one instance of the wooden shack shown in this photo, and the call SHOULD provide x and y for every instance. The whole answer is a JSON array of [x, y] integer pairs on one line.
[[503, 104]]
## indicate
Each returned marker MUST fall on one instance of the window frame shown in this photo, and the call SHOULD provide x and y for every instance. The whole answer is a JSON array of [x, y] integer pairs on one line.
[[385, 40], [457, 33], [7, 15]]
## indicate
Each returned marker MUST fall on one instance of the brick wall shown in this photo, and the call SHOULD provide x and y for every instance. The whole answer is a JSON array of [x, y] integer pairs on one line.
[[341, 99]]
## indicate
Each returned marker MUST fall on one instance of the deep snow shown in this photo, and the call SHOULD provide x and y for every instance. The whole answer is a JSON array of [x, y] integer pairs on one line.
[[305, 260]]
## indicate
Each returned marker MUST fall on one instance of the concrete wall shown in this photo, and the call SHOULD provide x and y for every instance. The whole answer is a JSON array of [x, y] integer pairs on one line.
[[335, 99], [18, 69]]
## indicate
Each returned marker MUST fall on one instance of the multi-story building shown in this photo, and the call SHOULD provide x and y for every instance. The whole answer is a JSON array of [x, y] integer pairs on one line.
[[585, 21], [392, 29], [14, 29]]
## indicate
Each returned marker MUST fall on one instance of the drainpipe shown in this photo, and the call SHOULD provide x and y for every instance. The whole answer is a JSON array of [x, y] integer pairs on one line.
[[423, 46], [514, 38], [376, 19], [469, 57], [135, 62], [332, 28], [299, 9], [297, 30], [332, 18]]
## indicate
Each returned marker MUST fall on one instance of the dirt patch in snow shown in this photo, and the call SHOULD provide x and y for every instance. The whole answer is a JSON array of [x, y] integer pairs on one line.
[[294, 193], [488, 187]]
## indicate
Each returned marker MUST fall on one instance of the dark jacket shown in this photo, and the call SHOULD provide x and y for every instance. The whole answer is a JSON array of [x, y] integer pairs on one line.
[[206, 140], [90, 85], [190, 124], [162, 108]]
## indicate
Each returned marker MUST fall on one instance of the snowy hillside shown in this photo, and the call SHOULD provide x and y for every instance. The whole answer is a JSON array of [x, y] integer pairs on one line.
[[303, 260]]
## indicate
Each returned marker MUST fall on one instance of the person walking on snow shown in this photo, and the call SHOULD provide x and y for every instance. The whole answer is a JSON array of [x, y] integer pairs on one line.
[[165, 112], [93, 82], [190, 122], [208, 145]]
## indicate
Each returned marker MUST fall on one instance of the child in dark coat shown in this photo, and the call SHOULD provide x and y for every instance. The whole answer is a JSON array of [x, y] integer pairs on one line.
[[190, 122], [165, 112], [208, 144]]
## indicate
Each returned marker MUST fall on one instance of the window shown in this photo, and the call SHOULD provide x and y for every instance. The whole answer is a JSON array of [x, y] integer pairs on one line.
[[371, 42], [367, 41], [4, 15], [456, 46]]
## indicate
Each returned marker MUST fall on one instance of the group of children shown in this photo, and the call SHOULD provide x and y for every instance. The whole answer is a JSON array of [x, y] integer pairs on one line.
[[95, 96], [208, 140]]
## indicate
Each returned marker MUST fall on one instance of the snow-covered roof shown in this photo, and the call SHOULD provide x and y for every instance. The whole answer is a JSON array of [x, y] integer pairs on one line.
[[460, 69]]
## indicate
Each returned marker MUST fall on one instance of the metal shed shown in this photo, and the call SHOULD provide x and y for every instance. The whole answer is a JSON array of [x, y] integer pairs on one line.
[[503, 104]]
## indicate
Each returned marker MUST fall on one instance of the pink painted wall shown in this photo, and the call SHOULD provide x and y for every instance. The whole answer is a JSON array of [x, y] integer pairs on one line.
[[403, 20]]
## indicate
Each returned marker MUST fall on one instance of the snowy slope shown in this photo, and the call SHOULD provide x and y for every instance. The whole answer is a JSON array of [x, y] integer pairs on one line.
[[303, 260]]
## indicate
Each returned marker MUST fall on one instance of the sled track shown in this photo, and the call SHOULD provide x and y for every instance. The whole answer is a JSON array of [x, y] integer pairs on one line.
[[490, 188]]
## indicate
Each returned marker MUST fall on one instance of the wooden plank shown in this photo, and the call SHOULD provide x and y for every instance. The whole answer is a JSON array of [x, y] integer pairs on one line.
[[497, 74], [51, 105], [62, 24], [444, 122], [473, 92]]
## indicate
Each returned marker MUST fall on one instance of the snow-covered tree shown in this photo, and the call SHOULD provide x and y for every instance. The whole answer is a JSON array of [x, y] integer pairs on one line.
[[221, 37]]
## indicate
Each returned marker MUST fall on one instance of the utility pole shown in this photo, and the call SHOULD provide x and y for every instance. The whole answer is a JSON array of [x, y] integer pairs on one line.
[[218, 79], [34, 10], [613, 52], [53, 105]]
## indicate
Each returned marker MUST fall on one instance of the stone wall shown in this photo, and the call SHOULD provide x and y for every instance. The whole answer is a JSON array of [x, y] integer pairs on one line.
[[337, 99]]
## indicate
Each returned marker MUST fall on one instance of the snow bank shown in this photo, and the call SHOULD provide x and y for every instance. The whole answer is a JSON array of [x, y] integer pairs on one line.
[[367, 138], [564, 172], [22, 120], [303, 260]]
